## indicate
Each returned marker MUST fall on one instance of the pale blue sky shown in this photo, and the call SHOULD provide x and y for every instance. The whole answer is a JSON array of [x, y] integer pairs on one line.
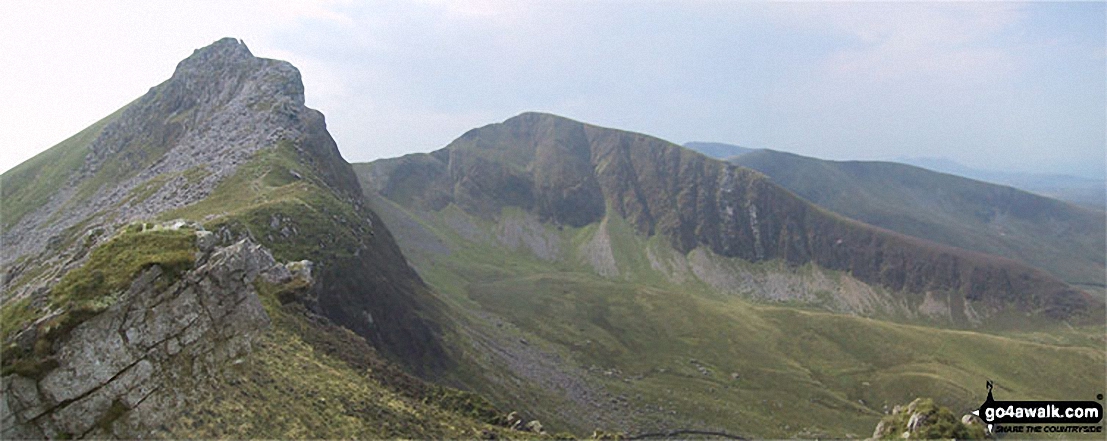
[[1015, 86]]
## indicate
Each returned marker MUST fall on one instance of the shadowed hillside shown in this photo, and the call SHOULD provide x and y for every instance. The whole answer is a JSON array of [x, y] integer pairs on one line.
[[602, 278], [1059, 237], [574, 174], [202, 264], [1084, 191]]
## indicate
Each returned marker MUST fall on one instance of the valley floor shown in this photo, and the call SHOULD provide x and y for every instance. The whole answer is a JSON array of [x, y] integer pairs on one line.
[[637, 353]]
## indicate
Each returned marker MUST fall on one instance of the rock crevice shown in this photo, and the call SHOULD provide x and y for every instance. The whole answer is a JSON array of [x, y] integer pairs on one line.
[[123, 371]]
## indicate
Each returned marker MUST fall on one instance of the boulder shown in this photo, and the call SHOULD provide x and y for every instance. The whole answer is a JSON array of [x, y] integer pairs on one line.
[[534, 426], [125, 370]]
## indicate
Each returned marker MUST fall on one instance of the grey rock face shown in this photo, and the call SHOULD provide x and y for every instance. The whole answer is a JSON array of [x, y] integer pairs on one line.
[[129, 368], [221, 106]]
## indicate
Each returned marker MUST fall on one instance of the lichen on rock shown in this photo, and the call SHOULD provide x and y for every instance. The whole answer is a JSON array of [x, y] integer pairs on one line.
[[124, 370], [923, 419]]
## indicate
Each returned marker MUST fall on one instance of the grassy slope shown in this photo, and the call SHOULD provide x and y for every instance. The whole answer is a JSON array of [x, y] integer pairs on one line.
[[800, 372], [299, 185], [88, 290], [308, 378], [29, 185], [1063, 239], [572, 173], [311, 380]]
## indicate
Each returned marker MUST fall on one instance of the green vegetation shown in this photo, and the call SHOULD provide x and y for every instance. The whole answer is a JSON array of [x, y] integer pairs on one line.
[[566, 173], [196, 174], [641, 304], [29, 185], [113, 266], [285, 200], [1063, 239], [662, 350], [307, 377], [931, 422], [90, 289], [754, 369], [15, 315], [310, 379], [829, 373], [143, 191], [266, 188]]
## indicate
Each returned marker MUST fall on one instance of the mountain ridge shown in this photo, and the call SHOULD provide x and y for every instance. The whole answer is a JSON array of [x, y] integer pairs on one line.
[[662, 188], [718, 150], [218, 198], [1085, 190], [175, 146], [171, 119], [1057, 236], [620, 328], [222, 153]]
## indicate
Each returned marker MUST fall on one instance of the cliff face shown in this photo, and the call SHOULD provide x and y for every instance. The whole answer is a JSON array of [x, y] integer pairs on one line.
[[220, 106], [226, 141], [1063, 239], [227, 145], [132, 366], [575, 174]]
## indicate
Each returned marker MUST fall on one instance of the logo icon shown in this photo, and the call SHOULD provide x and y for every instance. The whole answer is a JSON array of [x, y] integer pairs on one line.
[[1037, 412]]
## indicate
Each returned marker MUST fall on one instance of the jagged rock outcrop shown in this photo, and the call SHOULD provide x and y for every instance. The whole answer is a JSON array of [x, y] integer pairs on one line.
[[128, 368], [226, 115], [180, 140], [575, 174], [225, 143], [923, 419]]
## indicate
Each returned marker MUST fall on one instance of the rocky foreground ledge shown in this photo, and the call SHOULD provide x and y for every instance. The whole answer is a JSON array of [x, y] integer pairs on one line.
[[130, 367]]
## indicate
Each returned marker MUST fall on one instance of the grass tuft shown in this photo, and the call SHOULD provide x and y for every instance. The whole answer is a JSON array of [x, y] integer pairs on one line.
[[92, 288]]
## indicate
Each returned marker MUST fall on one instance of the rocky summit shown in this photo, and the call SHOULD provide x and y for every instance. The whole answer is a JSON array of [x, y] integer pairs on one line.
[[203, 263], [183, 148], [221, 105], [139, 253]]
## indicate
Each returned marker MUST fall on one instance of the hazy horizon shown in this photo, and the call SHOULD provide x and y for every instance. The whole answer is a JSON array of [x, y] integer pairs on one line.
[[994, 86]]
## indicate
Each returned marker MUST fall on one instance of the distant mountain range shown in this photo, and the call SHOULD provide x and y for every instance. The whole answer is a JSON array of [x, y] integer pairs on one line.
[[660, 270], [718, 150], [203, 263], [1061, 238], [575, 174], [1084, 191], [1089, 192]]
